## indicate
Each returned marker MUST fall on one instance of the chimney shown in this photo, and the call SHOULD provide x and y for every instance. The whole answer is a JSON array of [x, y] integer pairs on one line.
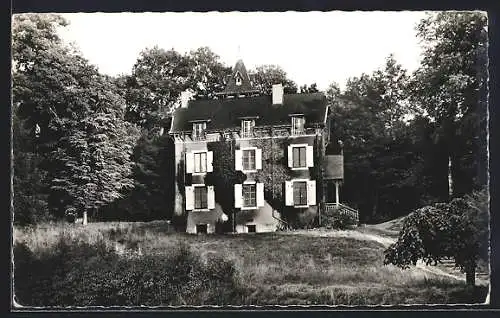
[[278, 94], [185, 97]]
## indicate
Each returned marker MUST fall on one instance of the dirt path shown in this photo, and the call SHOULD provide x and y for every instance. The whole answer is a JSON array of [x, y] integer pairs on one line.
[[385, 241]]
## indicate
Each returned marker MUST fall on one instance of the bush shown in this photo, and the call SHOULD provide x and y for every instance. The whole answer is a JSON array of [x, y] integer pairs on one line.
[[338, 220], [78, 274]]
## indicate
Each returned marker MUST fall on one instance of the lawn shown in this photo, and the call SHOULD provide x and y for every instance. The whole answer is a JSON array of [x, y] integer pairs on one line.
[[285, 268]]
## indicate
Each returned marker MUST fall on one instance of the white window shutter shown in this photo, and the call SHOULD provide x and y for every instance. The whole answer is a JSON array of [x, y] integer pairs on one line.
[[238, 162], [258, 159], [238, 195], [210, 197], [310, 156], [189, 162], [189, 197], [290, 156], [311, 192], [210, 159], [260, 194], [288, 193]]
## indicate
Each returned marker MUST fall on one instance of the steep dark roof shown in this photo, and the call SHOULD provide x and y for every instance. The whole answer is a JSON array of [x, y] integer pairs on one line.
[[240, 71], [227, 113]]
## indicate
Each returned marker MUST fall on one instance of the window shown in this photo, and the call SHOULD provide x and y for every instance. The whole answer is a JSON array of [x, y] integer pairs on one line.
[[200, 162], [299, 157], [252, 228], [247, 128], [200, 198], [248, 157], [238, 79], [199, 130], [298, 123], [300, 193], [249, 195]]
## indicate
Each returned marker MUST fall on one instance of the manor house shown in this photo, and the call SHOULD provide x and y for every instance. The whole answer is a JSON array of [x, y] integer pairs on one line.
[[278, 144]]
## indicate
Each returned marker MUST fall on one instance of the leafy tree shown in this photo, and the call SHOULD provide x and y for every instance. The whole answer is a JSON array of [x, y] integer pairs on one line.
[[450, 89], [74, 114], [309, 89], [207, 72], [457, 230], [157, 80], [265, 76], [369, 117], [94, 155]]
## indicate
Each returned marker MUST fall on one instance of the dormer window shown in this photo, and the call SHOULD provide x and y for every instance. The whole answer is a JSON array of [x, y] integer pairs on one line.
[[247, 128], [298, 123], [238, 79], [199, 130]]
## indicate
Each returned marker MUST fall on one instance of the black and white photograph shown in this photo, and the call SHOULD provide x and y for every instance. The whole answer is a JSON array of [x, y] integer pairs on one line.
[[223, 159]]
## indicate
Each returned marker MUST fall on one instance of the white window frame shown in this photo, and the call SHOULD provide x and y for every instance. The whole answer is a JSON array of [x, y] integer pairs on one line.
[[249, 133], [243, 207], [299, 146], [254, 158], [307, 194], [296, 132], [238, 79], [199, 185], [199, 134], [194, 162]]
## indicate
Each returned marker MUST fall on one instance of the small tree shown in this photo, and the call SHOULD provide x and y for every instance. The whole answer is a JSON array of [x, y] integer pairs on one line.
[[457, 230]]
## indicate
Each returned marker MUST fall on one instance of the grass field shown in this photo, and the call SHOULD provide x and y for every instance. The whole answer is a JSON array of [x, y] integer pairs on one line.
[[285, 268]]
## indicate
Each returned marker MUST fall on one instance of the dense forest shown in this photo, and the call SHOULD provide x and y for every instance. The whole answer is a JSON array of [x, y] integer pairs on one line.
[[84, 142]]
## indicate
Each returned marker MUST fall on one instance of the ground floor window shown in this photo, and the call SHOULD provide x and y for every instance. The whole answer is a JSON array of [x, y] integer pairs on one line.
[[300, 193], [200, 198], [252, 228], [249, 195]]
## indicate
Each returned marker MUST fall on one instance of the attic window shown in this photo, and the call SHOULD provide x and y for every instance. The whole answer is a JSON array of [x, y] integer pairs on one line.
[[298, 123], [199, 130], [247, 128], [238, 79]]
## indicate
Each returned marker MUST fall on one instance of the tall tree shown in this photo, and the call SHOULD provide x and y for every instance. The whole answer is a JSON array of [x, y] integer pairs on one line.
[[450, 89], [207, 72], [74, 114], [158, 77], [265, 76]]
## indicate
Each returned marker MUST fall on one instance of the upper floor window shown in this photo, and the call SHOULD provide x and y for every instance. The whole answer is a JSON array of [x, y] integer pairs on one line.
[[200, 162], [298, 123], [249, 194], [199, 130], [247, 128], [248, 158], [300, 193], [299, 157]]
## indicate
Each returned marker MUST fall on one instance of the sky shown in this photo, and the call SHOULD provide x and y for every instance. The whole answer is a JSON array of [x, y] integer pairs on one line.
[[312, 47]]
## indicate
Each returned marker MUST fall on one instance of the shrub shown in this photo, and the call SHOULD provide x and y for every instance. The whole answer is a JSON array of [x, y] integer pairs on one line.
[[337, 220], [76, 273]]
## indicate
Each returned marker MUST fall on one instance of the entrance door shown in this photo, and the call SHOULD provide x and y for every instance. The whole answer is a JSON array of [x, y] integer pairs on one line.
[[201, 229]]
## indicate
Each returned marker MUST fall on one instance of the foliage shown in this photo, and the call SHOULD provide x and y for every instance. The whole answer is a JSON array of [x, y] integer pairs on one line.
[[75, 115], [369, 117], [159, 76], [152, 193], [265, 76], [224, 175], [450, 88], [338, 220], [309, 89], [456, 230], [78, 274]]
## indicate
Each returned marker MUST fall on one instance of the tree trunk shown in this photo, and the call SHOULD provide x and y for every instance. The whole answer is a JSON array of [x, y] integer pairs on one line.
[[85, 217], [470, 276]]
